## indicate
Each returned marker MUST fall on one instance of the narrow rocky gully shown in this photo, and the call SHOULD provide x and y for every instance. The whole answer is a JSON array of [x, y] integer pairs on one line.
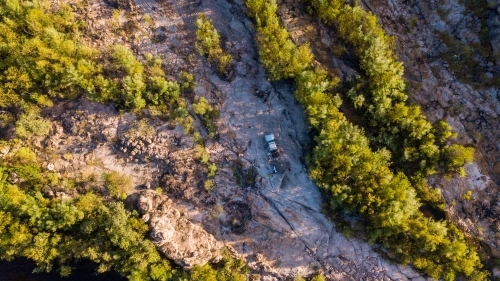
[[273, 220]]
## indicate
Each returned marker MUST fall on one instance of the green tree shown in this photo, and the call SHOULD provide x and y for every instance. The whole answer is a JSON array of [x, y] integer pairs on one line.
[[380, 94], [208, 114], [227, 269], [278, 54], [457, 156]]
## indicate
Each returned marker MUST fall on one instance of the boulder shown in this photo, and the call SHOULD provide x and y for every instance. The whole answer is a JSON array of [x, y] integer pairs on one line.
[[182, 241]]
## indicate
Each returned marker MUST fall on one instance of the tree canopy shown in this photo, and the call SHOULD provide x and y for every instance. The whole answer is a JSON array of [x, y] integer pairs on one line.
[[208, 43]]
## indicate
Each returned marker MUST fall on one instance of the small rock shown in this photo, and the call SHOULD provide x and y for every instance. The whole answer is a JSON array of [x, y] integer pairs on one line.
[[241, 69], [496, 272], [4, 150]]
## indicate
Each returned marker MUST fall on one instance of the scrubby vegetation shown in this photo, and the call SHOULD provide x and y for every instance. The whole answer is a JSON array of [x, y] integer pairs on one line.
[[278, 54], [61, 230], [141, 84], [209, 45], [208, 114], [358, 181], [43, 59], [318, 277], [227, 269], [117, 184]]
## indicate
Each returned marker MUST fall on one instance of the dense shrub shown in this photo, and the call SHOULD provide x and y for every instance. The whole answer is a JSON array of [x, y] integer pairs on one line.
[[227, 269], [39, 60], [208, 114], [117, 184], [209, 45], [278, 54], [30, 123], [141, 84], [57, 230], [187, 81], [358, 181]]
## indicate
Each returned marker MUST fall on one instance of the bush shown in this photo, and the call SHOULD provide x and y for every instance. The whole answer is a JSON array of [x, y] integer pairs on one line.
[[187, 81], [43, 59], [208, 44], [228, 269], [208, 114], [457, 156], [142, 129], [277, 52], [117, 184]]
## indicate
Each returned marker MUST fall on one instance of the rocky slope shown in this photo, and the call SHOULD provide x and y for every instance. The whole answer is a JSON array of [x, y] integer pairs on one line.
[[272, 220], [493, 23], [181, 240]]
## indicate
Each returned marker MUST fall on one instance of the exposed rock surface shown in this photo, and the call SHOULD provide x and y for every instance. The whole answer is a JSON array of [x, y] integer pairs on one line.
[[494, 26], [174, 234], [83, 143]]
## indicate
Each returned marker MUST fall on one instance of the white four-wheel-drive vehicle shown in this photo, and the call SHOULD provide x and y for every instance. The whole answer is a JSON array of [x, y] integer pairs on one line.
[[271, 144]]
